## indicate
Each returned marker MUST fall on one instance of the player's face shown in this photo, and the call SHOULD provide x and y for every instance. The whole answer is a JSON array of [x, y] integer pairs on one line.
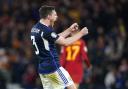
[[53, 16]]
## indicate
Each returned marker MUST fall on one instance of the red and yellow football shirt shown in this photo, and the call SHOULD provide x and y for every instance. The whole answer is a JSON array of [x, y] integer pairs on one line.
[[72, 57]]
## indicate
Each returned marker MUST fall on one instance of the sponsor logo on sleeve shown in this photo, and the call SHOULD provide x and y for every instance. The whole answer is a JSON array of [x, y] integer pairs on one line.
[[54, 35]]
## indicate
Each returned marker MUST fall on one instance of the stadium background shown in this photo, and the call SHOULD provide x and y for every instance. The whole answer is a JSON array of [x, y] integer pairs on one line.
[[107, 21]]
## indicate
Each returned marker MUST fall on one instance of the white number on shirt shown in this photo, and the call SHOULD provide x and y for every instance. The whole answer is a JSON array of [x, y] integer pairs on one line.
[[34, 43]]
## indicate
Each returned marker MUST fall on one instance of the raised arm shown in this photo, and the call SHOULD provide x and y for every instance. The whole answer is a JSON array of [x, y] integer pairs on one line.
[[69, 40], [67, 32]]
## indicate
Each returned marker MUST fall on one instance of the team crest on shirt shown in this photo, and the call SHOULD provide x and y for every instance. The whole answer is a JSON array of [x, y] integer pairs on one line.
[[54, 35]]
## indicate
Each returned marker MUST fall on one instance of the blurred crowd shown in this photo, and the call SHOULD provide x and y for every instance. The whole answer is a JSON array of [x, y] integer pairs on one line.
[[107, 21]]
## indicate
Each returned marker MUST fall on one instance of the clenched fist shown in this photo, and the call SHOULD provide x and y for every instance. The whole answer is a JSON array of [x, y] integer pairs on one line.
[[74, 27], [84, 31]]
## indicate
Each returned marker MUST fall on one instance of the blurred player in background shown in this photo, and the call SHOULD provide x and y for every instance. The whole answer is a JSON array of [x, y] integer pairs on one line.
[[43, 38], [72, 57]]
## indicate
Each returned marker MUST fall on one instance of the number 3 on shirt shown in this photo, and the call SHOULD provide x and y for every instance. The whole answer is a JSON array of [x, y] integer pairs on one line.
[[72, 52], [34, 43]]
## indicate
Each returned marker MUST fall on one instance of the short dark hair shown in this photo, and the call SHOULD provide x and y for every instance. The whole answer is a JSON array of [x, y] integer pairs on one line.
[[45, 10]]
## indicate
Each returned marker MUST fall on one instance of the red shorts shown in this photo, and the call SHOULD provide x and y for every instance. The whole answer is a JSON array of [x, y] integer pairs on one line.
[[76, 76]]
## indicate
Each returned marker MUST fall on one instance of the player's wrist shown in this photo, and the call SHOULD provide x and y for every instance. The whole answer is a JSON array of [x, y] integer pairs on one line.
[[70, 29], [82, 33]]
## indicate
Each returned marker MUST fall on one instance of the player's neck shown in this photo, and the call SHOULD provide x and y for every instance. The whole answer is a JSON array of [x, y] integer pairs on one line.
[[45, 22]]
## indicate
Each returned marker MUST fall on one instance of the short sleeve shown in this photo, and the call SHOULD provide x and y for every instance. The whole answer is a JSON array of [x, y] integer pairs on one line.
[[50, 36]]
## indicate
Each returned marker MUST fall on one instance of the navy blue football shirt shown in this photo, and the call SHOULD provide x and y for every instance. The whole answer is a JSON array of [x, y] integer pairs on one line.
[[43, 39]]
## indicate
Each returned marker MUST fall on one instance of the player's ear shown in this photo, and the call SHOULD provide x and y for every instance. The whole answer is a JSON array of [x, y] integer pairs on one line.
[[49, 16]]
